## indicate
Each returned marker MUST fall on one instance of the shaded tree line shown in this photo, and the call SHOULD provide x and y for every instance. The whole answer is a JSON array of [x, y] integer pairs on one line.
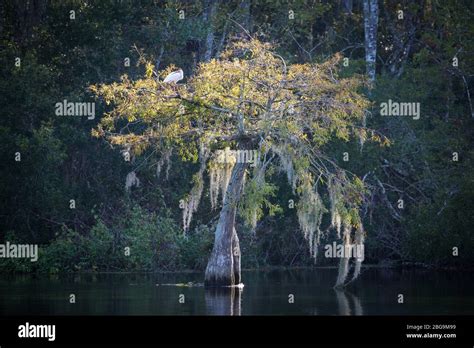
[[419, 202]]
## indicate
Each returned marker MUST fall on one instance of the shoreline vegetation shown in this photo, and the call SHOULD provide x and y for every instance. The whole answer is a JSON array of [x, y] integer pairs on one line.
[[146, 242], [391, 265]]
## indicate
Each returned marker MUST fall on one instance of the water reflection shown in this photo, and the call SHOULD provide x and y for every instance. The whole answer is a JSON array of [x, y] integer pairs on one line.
[[348, 303], [266, 293], [223, 301]]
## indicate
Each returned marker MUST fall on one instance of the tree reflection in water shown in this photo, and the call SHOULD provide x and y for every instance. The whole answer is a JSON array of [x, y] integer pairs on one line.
[[223, 300], [344, 301]]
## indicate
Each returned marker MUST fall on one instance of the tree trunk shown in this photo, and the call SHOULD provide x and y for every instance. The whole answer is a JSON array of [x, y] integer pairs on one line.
[[209, 13], [371, 18], [245, 6], [223, 268], [236, 256], [359, 241], [347, 6], [344, 261]]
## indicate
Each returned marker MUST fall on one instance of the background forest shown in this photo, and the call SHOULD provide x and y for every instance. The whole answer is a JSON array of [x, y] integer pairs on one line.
[[420, 203]]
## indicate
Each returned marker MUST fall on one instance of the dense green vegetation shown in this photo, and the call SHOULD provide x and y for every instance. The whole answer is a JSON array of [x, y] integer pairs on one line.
[[60, 58]]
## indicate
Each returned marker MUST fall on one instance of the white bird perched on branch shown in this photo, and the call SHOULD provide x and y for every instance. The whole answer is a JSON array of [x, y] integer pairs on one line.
[[174, 77]]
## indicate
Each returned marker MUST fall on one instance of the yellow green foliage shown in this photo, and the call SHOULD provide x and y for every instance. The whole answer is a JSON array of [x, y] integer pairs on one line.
[[249, 89]]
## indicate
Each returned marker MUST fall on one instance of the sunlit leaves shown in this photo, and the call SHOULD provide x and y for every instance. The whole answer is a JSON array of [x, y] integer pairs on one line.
[[248, 86]]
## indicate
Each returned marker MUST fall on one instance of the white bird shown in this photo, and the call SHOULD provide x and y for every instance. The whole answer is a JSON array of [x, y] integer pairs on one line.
[[174, 77]]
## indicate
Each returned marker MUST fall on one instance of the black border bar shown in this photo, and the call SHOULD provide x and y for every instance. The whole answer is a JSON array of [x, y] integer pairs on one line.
[[261, 330]]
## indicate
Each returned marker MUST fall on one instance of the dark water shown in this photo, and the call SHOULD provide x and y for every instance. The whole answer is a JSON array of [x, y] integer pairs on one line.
[[265, 293]]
